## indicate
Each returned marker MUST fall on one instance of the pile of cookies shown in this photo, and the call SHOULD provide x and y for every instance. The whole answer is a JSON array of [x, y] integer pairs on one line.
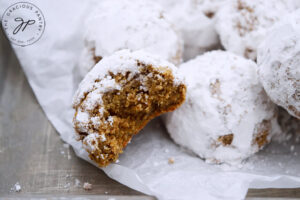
[[219, 68]]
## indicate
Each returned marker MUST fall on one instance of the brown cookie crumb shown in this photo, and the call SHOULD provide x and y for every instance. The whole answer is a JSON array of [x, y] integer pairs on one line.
[[171, 161]]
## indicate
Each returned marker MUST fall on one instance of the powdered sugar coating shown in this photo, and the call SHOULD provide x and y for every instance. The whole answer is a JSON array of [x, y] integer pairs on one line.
[[224, 100], [243, 24], [195, 21], [98, 81], [129, 24], [279, 64]]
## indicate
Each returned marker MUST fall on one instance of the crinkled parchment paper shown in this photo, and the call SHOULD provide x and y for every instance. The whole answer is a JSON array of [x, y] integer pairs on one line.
[[49, 66]]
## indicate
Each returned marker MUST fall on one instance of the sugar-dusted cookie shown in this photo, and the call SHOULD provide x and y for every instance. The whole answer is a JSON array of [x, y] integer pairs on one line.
[[279, 64], [119, 96], [243, 24], [226, 116], [128, 24], [195, 19]]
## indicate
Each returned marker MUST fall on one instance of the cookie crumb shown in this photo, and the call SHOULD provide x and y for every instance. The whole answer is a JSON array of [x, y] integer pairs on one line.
[[171, 161], [87, 186], [17, 187]]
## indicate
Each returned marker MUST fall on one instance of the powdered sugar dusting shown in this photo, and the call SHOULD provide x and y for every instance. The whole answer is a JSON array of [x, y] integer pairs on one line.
[[120, 62], [146, 27], [225, 109], [102, 138], [83, 119], [279, 61], [99, 81], [90, 142], [110, 120], [195, 21], [243, 24], [87, 186], [17, 187]]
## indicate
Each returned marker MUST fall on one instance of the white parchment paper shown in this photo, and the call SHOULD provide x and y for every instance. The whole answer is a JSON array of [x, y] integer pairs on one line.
[[49, 65]]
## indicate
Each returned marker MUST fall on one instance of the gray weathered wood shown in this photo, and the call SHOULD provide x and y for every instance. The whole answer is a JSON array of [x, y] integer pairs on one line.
[[32, 153]]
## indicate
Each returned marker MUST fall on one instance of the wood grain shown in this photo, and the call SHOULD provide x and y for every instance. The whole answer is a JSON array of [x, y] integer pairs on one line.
[[32, 153]]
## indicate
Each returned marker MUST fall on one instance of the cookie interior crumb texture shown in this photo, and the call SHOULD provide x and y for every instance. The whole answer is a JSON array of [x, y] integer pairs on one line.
[[123, 112]]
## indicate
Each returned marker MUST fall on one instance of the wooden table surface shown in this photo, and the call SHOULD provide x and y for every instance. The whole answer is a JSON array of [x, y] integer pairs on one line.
[[32, 153]]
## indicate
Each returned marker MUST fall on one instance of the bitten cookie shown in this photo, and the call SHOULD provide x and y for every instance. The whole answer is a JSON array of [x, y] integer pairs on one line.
[[226, 116], [119, 96], [279, 64], [128, 24], [243, 24]]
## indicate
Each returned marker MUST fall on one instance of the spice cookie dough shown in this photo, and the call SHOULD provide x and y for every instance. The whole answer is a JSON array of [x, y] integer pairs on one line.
[[226, 116], [119, 96]]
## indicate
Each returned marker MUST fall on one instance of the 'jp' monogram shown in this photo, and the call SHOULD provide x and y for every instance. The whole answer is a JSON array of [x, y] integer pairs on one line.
[[22, 24]]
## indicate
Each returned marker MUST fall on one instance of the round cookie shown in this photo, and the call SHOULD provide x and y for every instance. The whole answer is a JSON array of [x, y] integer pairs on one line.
[[279, 64], [118, 97], [195, 21], [226, 116], [243, 24], [128, 24]]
